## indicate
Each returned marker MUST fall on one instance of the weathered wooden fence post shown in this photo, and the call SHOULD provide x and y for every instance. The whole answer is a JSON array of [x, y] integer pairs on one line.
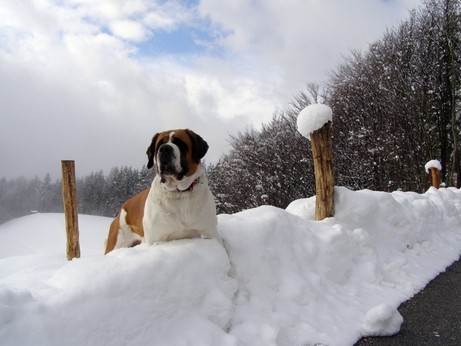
[[69, 198], [433, 167], [314, 123]]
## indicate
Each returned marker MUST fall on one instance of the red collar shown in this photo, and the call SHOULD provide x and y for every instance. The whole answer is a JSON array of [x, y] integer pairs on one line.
[[191, 187]]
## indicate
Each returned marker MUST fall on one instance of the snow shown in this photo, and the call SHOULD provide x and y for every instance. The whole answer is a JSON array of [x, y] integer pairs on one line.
[[432, 164], [281, 279], [312, 118], [45, 233], [382, 320]]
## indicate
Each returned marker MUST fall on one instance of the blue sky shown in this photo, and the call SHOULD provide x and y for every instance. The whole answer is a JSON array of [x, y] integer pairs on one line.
[[93, 80], [184, 40], [180, 41]]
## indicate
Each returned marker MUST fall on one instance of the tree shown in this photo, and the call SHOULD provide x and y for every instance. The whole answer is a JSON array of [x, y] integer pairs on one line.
[[46, 194], [92, 194], [396, 104], [269, 166]]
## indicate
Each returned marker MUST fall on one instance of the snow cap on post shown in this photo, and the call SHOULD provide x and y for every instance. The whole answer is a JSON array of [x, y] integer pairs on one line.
[[313, 117], [432, 164]]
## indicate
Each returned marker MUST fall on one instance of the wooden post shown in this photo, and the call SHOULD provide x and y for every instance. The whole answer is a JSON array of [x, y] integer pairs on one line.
[[69, 198], [314, 123], [435, 177], [323, 169], [433, 167]]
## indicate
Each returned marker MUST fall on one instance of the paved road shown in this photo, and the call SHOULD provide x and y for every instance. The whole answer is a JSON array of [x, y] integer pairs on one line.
[[432, 317]]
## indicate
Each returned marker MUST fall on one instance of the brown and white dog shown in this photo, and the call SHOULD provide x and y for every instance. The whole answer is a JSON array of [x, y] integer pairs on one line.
[[178, 204]]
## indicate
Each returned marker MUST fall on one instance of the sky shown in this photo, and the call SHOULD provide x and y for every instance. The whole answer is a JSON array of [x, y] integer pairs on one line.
[[94, 80]]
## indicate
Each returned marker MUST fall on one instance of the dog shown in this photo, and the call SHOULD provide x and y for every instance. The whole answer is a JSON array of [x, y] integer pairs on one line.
[[179, 203]]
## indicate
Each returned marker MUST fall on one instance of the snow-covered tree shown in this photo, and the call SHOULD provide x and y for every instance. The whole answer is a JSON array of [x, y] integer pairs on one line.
[[270, 166], [395, 105]]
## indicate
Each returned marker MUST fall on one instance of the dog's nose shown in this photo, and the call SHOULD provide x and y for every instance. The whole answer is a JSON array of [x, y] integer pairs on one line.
[[165, 152], [165, 149]]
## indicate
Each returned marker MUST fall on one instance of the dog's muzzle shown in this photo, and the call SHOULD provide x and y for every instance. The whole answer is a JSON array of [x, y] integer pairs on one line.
[[168, 162]]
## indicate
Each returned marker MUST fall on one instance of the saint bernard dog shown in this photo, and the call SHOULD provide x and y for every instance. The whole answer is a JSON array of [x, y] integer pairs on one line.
[[178, 204]]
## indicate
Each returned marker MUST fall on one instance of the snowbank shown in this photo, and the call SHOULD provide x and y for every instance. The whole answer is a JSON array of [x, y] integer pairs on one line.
[[163, 295], [283, 279]]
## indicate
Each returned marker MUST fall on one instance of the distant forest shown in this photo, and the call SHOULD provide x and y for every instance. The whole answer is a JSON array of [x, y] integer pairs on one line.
[[395, 107], [98, 194]]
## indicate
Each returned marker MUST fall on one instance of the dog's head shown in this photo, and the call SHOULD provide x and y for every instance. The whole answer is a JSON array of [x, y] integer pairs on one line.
[[176, 155]]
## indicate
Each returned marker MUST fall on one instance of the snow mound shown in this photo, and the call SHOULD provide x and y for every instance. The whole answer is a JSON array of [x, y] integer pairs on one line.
[[304, 207], [171, 293], [312, 118], [281, 279], [382, 320]]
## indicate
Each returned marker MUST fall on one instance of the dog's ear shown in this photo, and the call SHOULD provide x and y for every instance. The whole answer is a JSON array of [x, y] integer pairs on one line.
[[151, 152], [199, 146]]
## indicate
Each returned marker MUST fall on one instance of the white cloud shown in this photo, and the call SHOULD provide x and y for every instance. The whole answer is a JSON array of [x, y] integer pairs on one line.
[[128, 30], [73, 82], [304, 38], [159, 21], [168, 15]]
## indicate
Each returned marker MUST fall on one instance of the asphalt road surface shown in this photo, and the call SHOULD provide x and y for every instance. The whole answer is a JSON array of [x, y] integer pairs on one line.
[[432, 317]]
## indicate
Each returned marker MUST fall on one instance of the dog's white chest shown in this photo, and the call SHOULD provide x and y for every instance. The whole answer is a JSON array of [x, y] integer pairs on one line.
[[178, 215]]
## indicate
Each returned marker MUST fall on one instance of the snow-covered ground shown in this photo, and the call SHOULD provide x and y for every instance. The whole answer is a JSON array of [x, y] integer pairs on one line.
[[282, 279]]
